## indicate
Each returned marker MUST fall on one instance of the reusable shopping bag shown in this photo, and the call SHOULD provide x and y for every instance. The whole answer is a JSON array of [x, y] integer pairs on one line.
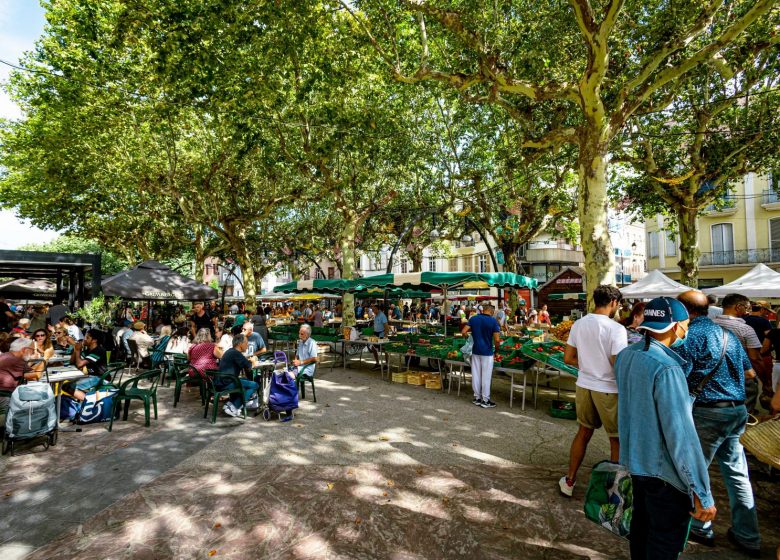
[[609, 498]]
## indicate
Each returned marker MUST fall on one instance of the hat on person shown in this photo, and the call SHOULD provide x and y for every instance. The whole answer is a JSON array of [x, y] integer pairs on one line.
[[761, 304], [138, 326], [662, 313]]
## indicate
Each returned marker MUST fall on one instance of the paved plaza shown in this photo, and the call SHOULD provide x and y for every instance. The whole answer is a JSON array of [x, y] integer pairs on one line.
[[372, 470]]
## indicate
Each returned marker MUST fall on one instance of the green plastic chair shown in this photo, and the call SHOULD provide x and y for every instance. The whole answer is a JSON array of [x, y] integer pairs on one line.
[[181, 375], [213, 394], [170, 365], [129, 391], [301, 380]]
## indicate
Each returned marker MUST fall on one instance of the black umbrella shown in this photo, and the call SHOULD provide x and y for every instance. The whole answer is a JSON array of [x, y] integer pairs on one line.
[[151, 280]]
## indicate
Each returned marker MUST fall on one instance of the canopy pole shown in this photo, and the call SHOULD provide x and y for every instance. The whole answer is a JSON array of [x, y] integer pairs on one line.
[[444, 310]]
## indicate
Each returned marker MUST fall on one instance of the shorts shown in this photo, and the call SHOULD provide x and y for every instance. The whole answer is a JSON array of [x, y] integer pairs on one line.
[[595, 409]]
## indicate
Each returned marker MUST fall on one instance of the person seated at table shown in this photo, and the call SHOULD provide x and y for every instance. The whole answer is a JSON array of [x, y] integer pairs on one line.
[[43, 349], [143, 341], [256, 343], [204, 354], [240, 319], [22, 327], [234, 361], [179, 343], [61, 343], [14, 367], [72, 328], [89, 356], [226, 338], [306, 352]]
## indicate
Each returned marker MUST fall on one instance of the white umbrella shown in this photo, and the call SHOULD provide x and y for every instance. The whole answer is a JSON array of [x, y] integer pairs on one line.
[[655, 284], [759, 282]]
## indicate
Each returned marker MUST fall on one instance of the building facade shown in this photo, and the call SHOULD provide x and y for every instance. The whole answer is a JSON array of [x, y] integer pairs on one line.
[[733, 236]]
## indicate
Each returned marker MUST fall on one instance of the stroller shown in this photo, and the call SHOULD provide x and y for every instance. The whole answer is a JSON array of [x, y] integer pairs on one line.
[[32, 414], [281, 393]]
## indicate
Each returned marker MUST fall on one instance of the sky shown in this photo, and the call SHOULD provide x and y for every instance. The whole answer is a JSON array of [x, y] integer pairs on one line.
[[21, 23]]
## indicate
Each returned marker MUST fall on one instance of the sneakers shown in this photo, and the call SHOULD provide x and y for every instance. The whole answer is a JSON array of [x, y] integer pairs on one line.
[[477, 401], [253, 403], [706, 539], [567, 488], [487, 404], [231, 410]]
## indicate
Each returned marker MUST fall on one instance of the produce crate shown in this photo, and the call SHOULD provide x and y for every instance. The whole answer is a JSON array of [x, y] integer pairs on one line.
[[455, 355], [542, 351], [396, 347], [327, 338], [368, 332], [415, 378], [511, 342], [400, 377], [559, 363], [437, 351], [563, 409], [433, 382]]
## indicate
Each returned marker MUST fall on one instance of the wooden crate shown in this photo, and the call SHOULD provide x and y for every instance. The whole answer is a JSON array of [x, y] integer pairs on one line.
[[399, 377], [433, 381], [415, 378]]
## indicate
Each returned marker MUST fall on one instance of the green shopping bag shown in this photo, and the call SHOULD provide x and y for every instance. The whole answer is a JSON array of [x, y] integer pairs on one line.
[[609, 498]]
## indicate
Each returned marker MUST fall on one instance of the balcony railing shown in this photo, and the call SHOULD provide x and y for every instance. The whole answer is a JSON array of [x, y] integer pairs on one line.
[[771, 196], [728, 204], [554, 254], [743, 256]]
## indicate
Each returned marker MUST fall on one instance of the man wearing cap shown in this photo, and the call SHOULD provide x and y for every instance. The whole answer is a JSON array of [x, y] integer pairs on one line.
[[143, 341], [720, 415], [658, 441], [594, 342]]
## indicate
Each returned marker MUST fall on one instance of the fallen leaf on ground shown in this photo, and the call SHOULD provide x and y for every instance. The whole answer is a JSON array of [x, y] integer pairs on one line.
[[454, 445], [445, 499], [384, 438], [217, 525], [212, 552], [390, 483], [384, 493], [330, 485], [419, 471], [357, 521]]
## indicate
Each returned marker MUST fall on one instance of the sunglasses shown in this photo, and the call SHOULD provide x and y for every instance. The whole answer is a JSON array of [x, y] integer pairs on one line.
[[40, 336]]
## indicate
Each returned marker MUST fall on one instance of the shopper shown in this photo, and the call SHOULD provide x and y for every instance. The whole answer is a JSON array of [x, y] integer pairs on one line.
[[734, 307], [720, 415], [485, 332], [658, 441], [594, 342]]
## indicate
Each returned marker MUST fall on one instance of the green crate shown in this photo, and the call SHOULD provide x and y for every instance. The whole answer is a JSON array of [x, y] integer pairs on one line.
[[563, 409], [396, 348], [368, 332], [559, 363]]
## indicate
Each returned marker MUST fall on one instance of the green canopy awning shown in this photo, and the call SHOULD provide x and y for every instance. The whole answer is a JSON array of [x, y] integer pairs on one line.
[[335, 286], [440, 280], [395, 293]]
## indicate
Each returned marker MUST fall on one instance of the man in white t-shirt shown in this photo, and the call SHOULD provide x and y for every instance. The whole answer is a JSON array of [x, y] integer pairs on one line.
[[594, 343]]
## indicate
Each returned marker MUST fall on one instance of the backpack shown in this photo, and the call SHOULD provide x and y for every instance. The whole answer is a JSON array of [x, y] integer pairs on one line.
[[32, 412]]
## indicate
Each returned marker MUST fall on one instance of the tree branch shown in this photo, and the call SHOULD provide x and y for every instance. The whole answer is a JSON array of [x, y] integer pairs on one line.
[[554, 138]]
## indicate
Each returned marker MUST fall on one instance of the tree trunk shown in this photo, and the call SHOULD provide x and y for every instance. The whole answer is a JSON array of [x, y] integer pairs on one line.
[[416, 256], [347, 244], [244, 260], [511, 265], [200, 257], [689, 247], [592, 209]]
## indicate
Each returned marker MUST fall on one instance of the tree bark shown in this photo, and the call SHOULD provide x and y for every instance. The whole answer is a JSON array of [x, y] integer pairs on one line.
[[347, 244], [200, 257], [592, 210], [688, 225], [416, 257], [511, 265]]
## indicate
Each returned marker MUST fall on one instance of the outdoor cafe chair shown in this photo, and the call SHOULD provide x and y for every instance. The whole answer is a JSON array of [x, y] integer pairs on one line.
[[301, 379], [171, 361], [135, 355], [180, 372], [213, 394], [129, 391]]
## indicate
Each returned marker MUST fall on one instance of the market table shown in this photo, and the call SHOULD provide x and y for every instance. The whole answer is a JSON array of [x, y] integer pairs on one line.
[[511, 372], [363, 344]]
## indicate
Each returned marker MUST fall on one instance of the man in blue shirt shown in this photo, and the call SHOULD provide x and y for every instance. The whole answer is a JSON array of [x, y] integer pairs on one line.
[[720, 415], [485, 332], [658, 441], [380, 325], [234, 361]]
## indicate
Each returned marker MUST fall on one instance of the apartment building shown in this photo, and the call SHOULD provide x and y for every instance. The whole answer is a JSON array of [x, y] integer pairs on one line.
[[733, 237]]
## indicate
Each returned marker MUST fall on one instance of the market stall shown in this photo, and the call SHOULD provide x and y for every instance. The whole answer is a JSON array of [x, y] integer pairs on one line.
[[562, 293], [655, 284], [759, 282]]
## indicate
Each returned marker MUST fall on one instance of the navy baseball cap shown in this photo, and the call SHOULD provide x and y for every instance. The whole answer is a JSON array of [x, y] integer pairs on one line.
[[662, 313]]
